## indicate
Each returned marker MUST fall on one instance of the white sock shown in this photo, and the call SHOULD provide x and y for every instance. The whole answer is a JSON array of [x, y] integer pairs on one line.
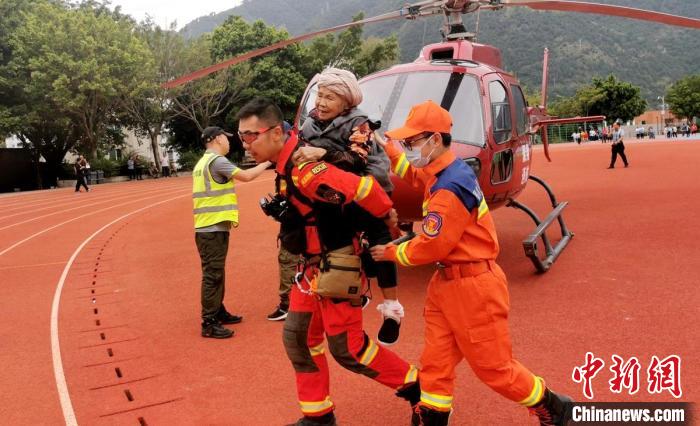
[[391, 308]]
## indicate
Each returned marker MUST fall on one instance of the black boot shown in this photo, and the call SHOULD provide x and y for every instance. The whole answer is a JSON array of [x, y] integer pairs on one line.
[[213, 328], [553, 409], [411, 393], [424, 416], [324, 420], [227, 318]]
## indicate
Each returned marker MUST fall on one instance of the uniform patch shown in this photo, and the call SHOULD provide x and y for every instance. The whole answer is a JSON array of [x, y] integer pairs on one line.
[[306, 178], [432, 223], [330, 195], [319, 168]]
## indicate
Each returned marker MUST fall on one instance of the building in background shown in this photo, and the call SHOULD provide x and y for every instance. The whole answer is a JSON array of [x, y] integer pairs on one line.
[[657, 119]]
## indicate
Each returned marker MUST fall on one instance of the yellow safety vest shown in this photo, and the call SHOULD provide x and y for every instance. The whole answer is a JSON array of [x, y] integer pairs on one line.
[[213, 202]]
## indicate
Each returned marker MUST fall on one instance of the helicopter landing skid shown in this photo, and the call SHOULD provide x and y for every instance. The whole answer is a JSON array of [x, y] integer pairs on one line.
[[530, 243]]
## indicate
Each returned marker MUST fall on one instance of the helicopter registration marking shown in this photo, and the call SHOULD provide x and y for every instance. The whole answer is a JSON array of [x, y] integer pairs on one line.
[[526, 174], [526, 153]]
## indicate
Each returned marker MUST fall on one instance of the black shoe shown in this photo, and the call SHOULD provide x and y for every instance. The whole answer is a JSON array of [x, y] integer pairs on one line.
[[627, 165], [424, 416], [611, 167], [388, 332], [324, 420], [279, 314], [554, 409], [225, 317], [214, 329]]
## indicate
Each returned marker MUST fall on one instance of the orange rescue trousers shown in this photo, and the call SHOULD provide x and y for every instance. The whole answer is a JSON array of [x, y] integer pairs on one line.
[[466, 317], [308, 319]]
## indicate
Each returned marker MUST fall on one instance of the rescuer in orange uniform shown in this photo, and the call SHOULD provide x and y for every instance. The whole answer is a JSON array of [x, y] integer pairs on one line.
[[327, 199], [466, 308]]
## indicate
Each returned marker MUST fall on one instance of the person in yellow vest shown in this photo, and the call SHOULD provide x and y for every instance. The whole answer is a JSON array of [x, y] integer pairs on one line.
[[215, 212]]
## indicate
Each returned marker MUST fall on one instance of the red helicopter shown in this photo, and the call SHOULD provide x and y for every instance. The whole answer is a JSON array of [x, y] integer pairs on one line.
[[494, 128]]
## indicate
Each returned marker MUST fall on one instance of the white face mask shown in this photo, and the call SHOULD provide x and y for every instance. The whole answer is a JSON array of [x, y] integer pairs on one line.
[[414, 155]]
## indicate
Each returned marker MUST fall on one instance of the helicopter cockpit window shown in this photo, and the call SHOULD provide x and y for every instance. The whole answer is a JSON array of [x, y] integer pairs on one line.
[[521, 120], [500, 111], [390, 99], [309, 104]]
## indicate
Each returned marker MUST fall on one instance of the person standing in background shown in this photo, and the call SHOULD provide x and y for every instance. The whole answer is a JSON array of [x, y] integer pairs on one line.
[[81, 170], [618, 147], [215, 212]]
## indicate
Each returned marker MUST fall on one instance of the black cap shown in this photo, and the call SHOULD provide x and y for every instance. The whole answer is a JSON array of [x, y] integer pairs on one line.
[[211, 132]]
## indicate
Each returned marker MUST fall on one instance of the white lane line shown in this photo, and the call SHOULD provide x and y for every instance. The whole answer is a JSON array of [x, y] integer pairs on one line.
[[82, 206], [59, 197], [59, 374], [61, 385], [68, 200], [71, 220], [33, 265]]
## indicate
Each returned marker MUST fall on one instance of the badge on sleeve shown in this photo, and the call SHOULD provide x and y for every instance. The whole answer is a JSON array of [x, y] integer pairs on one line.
[[432, 223]]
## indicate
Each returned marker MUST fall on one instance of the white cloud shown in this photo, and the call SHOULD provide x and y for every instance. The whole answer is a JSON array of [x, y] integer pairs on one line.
[[164, 12]]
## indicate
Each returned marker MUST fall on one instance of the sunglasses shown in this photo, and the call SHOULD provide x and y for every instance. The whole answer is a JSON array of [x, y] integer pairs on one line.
[[408, 144], [250, 137]]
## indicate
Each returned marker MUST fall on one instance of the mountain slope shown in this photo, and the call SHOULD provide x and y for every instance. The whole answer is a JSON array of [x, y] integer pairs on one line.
[[581, 46]]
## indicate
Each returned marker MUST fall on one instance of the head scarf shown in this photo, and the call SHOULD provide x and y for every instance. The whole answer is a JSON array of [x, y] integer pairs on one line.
[[343, 83]]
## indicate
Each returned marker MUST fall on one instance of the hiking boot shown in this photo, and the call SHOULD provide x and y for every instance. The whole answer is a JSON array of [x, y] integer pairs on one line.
[[324, 420], [279, 314], [214, 329], [424, 416], [225, 317], [389, 331], [553, 410]]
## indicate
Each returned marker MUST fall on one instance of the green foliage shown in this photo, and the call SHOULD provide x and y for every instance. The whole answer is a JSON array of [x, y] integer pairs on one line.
[[609, 97], [281, 75], [188, 159], [349, 51], [684, 97], [82, 62], [109, 167], [581, 46], [148, 107]]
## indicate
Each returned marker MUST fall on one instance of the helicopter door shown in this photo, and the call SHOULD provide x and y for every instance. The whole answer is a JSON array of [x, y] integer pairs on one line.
[[501, 132]]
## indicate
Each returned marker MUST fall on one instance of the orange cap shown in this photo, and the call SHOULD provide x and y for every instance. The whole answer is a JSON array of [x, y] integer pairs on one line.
[[425, 117]]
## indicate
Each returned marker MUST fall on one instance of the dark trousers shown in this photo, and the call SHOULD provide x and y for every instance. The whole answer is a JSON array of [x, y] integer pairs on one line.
[[377, 232], [618, 149], [212, 247], [288, 268], [81, 180]]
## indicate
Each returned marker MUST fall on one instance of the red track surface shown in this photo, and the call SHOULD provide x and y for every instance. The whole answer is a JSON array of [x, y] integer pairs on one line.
[[128, 313]]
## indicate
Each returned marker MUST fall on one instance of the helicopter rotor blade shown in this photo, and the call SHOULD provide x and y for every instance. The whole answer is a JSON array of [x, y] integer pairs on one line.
[[606, 9], [412, 11]]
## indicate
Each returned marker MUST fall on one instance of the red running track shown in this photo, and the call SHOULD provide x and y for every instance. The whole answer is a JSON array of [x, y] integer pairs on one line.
[[118, 270]]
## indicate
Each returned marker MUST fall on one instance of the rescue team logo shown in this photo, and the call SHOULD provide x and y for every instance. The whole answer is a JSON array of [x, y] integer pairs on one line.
[[662, 375], [319, 168], [432, 224]]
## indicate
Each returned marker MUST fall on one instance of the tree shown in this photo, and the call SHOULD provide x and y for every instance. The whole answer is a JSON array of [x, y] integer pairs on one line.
[[83, 61], [684, 97], [280, 75], [39, 123], [148, 107], [609, 97], [348, 50]]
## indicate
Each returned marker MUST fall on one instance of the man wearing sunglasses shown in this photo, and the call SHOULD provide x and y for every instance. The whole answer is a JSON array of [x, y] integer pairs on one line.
[[215, 212], [327, 199], [466, 308]]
